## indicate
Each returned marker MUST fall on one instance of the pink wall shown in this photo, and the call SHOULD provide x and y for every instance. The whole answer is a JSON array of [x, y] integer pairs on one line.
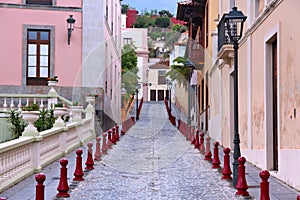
[[65, 3], [67, 58], [69, 3]]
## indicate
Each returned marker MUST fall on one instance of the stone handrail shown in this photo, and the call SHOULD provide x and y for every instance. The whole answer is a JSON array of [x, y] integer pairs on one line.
[[13, 101], [26, 155]]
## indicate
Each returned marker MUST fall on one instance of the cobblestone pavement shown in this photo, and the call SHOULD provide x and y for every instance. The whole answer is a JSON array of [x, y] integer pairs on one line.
[[153, 161]]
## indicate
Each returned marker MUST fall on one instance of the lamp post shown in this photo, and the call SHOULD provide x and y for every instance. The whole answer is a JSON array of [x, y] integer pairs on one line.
[[70, 22], [137, 104], [190, 65], [137, 101], [234, 22], [169, 85]]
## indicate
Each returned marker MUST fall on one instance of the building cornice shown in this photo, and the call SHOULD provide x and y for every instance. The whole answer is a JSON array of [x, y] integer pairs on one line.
[[260, 19], [40, 7]]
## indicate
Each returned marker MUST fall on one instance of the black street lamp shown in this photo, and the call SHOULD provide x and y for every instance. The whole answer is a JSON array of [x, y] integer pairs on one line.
[[138, 86], [137, 104], [234, 22], [190, 65], [169, 85], [70, 21]]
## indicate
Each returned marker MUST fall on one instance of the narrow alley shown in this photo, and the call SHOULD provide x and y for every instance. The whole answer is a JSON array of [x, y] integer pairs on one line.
[[153, 161]]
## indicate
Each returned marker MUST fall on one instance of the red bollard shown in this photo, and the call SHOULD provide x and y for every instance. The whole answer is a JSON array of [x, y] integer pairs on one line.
[[298, 197], [208, 152], [201, 143], [113, 136], [117, 133], [97, 155], [196, 143], [226, 171], [63, 186], [39, 188], [192, 136], [104, 147], [89, 161], [109, 142], [122, 132], [241, 184], [264, 185], [216, 161], [78, 173]]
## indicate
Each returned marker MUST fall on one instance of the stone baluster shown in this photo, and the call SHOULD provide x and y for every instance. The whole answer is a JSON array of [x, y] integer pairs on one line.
[[4, 105], [42, 103], [12, 103], [27, 101], [20, 104]]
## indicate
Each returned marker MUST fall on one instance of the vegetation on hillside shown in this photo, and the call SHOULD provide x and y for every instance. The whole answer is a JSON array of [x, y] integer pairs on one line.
[[129, 69]]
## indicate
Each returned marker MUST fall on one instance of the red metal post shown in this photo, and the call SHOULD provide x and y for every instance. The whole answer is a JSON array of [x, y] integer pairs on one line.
[[241, 184], [196, 143], [104, 147], [226, 171], [207, 152], [97, 155], [113, 137], [298, 197], [40, 188], [63, 186], [122, 132], [117, 133], [264, 185], [109, 142], [216, 161], [201, 143], [78, 170], [89, 161], [192, 137]]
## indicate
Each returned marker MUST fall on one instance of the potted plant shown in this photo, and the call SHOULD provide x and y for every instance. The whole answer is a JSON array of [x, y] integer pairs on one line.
[[30, 114], [51, 83], [90, 98], [59, 112], [76, 111]]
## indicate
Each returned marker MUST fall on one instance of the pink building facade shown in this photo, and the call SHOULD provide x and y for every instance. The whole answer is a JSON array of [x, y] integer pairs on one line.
[[34, 47]]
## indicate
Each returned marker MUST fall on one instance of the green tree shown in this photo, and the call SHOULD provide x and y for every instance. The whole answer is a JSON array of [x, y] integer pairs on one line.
[[143, 21], [165, 13], [162, 22], [129, 68], [179, 71], [124, 8]]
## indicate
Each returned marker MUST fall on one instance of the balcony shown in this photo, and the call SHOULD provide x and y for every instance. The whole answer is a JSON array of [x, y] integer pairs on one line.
[[195, 53]]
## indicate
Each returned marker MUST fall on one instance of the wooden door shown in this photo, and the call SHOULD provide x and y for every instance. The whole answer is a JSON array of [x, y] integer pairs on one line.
[[152, 95], [275, 122], [161, 95]]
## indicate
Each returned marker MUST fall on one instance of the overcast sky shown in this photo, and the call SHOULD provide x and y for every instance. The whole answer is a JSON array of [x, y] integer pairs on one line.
[[141, 5]]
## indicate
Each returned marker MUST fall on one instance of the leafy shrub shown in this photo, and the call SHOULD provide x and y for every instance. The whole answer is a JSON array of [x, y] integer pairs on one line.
[[18, 124], [45, 121], [31, 107]]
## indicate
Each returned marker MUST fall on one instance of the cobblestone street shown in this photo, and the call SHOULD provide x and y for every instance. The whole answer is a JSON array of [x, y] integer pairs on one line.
[[153, 161]]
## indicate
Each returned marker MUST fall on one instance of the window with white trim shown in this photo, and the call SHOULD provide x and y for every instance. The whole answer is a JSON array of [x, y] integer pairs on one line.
[[38, 57]]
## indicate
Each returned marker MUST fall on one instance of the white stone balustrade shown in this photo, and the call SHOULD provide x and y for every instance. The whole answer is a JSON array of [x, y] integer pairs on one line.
[[26, 155]]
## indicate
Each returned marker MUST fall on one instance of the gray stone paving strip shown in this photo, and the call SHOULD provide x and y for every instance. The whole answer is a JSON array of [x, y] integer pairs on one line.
[[153, 162]]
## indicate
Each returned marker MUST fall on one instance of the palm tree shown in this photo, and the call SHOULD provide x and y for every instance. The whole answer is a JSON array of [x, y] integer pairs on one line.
[[179, 71]]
